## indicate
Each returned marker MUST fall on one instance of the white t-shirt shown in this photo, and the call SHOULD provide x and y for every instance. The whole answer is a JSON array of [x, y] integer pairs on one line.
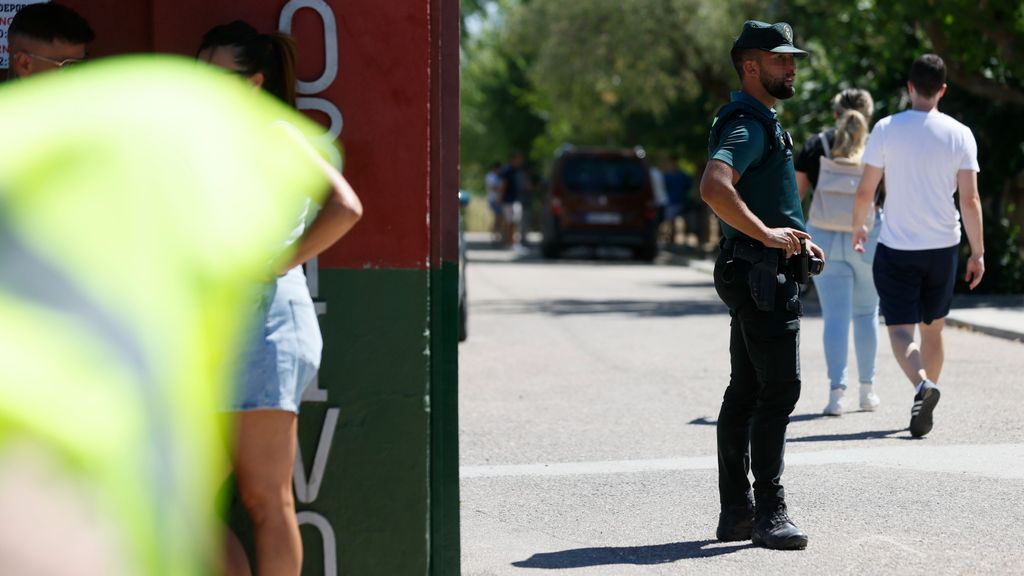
[[921, 153], [310, 209]]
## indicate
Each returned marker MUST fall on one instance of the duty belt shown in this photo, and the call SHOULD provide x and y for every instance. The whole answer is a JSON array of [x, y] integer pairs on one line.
[[767, 272], [753, 252]]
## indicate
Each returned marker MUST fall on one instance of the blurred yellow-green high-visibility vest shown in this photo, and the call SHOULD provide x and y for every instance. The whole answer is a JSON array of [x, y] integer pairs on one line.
[[140, 198]]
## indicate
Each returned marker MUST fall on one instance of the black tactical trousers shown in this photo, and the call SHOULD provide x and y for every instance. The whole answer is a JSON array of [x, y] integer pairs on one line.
[[764, 386]]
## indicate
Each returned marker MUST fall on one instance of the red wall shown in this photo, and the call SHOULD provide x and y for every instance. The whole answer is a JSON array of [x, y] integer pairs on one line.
[[382, 90]]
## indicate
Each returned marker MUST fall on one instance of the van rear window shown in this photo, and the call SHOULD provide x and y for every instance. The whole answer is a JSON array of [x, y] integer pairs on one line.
[[597, 175]]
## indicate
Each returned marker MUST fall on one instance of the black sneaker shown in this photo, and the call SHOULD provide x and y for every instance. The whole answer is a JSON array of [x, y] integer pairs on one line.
[[735, 523], [924, 405], [776, 531]]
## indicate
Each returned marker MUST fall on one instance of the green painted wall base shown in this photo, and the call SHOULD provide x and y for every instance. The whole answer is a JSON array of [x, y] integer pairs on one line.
[[378, 489], [376, 373]]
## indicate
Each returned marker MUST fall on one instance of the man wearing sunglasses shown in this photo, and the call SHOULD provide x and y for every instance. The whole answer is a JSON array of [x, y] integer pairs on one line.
[[46, 37]]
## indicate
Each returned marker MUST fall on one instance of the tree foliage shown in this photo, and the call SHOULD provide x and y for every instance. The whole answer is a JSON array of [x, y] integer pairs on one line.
[[612, 72], [498, 112]]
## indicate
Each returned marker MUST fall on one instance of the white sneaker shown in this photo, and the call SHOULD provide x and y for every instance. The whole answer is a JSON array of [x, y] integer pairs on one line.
[[835, 402], [869, 401]]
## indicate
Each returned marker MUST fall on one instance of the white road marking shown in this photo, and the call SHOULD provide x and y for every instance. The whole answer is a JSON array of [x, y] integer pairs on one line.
[[991, 460]]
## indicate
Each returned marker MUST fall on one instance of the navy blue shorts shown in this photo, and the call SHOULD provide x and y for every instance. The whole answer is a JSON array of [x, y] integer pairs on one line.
[[915, 285]]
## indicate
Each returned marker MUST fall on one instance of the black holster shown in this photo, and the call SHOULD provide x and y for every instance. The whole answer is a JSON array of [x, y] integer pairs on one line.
[[764, 277]]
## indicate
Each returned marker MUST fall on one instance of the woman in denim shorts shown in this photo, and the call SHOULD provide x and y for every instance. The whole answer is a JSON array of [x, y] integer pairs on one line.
[[284, 351]]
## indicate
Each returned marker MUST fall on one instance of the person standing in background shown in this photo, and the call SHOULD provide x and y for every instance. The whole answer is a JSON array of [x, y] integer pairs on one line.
[[526, 209], [492, 183], [45, 37], [660, 195], [677, 189], [509, 196]]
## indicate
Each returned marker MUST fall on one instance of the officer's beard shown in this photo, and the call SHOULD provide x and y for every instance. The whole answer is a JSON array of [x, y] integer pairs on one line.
[[778, 88]]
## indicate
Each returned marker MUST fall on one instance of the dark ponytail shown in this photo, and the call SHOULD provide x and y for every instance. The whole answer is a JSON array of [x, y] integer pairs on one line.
[[273, 55], [284, 55]]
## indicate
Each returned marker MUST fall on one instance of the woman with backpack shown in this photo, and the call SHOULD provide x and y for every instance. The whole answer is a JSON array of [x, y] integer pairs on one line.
[[830, 164]]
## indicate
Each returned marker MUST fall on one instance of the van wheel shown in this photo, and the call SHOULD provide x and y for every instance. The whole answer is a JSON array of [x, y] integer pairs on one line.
[[550, 251], [463, 320], [646, 253]]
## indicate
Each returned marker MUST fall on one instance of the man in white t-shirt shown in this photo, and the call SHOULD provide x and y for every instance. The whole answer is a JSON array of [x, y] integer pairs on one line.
[[925, 157]]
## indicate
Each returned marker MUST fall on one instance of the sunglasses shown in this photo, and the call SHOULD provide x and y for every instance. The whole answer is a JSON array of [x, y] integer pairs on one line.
[[57, 63]]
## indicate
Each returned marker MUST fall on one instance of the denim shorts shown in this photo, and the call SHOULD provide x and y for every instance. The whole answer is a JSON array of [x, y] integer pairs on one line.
[[915, 285], [283, 352]]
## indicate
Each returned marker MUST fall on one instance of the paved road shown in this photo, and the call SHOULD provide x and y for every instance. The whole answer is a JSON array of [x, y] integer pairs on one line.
[[588, 394]]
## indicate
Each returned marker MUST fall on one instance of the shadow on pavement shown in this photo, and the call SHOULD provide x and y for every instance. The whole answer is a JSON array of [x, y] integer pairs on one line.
[[987, 301], [872, 435], [638, 555], [609, 257], [484, 245], [704, 421], [491, 253], [567, 307], [708, 284], [807, 417]]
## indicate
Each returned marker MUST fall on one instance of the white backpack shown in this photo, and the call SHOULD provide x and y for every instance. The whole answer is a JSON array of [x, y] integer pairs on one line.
[[832, 204]]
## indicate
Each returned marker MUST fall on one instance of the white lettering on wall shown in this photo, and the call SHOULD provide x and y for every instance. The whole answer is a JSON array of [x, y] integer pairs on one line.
[[310, 102], [307, 486], [329, 73], [326, 535], [328, 108]]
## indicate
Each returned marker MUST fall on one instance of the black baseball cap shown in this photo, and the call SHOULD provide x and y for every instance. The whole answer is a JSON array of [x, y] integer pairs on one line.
[[776, 38]]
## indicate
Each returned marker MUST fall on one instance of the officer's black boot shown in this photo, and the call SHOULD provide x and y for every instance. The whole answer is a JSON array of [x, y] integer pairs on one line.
[[773, 529], [735, 522]]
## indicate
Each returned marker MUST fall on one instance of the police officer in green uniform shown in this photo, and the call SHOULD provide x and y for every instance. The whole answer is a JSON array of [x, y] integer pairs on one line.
[[750, 184]]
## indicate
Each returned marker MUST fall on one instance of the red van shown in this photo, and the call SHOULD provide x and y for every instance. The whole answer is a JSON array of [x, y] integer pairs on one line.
[[600, 196]]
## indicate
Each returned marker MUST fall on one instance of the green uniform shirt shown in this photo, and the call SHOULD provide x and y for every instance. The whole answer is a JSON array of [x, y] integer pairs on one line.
[[767, 181]]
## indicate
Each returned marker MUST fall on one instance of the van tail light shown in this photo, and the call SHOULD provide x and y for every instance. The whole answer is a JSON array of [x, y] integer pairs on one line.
[[556, 206], [651, 210]]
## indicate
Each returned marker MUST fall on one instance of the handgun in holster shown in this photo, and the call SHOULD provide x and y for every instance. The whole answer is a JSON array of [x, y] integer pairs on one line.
[[764, 277]]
